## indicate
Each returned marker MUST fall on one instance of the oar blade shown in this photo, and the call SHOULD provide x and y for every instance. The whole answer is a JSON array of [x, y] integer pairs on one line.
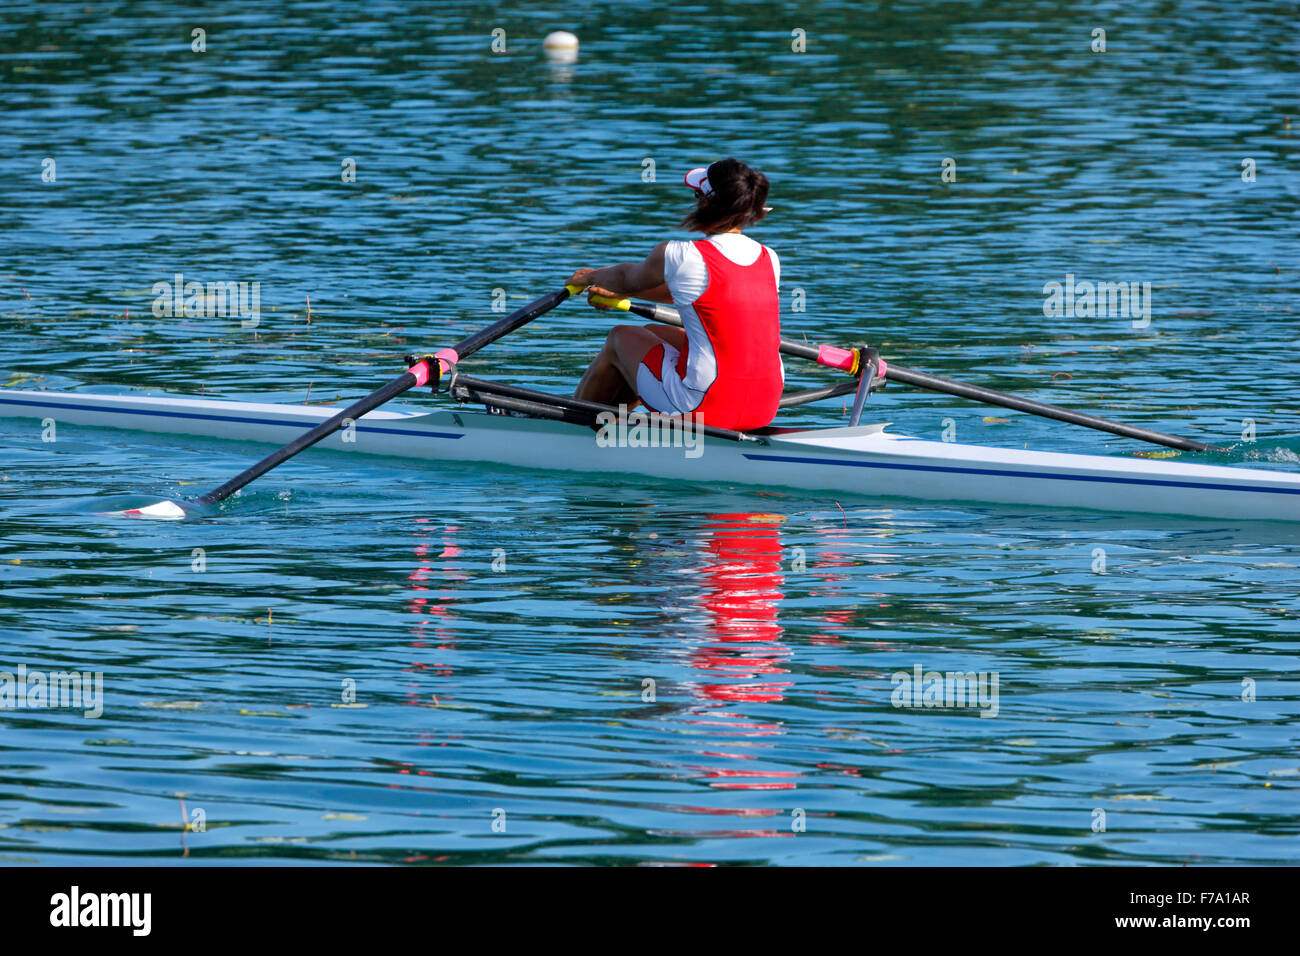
[[158, 511]]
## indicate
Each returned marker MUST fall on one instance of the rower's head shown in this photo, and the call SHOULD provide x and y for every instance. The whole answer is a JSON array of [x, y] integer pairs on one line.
[[729, 197]]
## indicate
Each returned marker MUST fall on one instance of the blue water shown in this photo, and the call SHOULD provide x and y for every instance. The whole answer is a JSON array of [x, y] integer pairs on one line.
[[649, 674]]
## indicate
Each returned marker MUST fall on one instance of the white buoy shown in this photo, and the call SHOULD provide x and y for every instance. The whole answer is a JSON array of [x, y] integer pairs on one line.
[[561, 47]]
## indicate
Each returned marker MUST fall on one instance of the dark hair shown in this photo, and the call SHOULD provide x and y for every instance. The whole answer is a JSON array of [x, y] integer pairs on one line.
[[739, 192]]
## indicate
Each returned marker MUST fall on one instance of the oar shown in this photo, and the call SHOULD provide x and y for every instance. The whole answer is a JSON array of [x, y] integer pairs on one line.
[[848, 360], [425, 369]]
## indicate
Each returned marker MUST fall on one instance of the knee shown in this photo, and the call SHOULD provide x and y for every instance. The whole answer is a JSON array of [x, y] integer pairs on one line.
[[618, 337]]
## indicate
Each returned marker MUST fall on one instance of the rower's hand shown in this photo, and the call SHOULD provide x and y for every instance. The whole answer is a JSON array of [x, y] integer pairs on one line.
[[597, 290], [582, 277]]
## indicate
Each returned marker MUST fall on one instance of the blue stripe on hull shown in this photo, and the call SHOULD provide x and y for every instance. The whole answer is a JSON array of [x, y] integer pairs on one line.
[[1006, 473], [207, 417]]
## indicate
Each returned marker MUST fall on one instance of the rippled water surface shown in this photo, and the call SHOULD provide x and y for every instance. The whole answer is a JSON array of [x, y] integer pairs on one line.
[[399, 662]]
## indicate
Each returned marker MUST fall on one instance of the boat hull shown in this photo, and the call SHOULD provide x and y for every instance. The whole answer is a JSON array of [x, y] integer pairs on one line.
[[862, 461]]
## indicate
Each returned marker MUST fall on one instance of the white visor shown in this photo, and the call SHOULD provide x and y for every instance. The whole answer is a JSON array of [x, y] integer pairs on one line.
[[698, 179]]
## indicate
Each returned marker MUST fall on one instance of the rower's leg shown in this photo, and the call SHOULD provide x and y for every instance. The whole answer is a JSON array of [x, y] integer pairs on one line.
[[631, 343], [671, 334], [612, 376], [603, 382]]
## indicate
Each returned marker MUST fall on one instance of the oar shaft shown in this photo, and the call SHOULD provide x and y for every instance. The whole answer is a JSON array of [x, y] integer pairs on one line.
[[352, 412], [846, 359], [934, 383], [472, 343], [421, 372]]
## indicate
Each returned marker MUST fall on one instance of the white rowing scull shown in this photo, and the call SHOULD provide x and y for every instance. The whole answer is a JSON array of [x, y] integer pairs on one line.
[[866, 460]]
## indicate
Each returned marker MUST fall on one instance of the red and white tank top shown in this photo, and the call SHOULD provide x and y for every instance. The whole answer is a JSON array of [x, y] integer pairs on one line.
[[725, 287]]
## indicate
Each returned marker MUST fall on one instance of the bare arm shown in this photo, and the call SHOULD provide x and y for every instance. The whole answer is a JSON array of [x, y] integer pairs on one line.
[[643, 279], [659, 293]]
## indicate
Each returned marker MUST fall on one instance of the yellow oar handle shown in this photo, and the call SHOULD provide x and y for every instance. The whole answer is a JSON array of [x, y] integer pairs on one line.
[[574, 289], [611, 302]]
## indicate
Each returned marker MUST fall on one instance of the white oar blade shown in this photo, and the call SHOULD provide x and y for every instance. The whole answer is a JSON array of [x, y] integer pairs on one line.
[[161, 511]]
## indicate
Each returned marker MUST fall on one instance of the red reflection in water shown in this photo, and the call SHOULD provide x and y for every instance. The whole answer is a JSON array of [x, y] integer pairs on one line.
[[435, 621], [742, 591], [743, 587]]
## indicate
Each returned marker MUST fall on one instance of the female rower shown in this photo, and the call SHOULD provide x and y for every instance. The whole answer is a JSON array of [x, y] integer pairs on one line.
[[725, 365]]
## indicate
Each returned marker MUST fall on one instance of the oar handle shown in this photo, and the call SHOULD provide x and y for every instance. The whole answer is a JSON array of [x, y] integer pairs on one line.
[[647, 310]]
